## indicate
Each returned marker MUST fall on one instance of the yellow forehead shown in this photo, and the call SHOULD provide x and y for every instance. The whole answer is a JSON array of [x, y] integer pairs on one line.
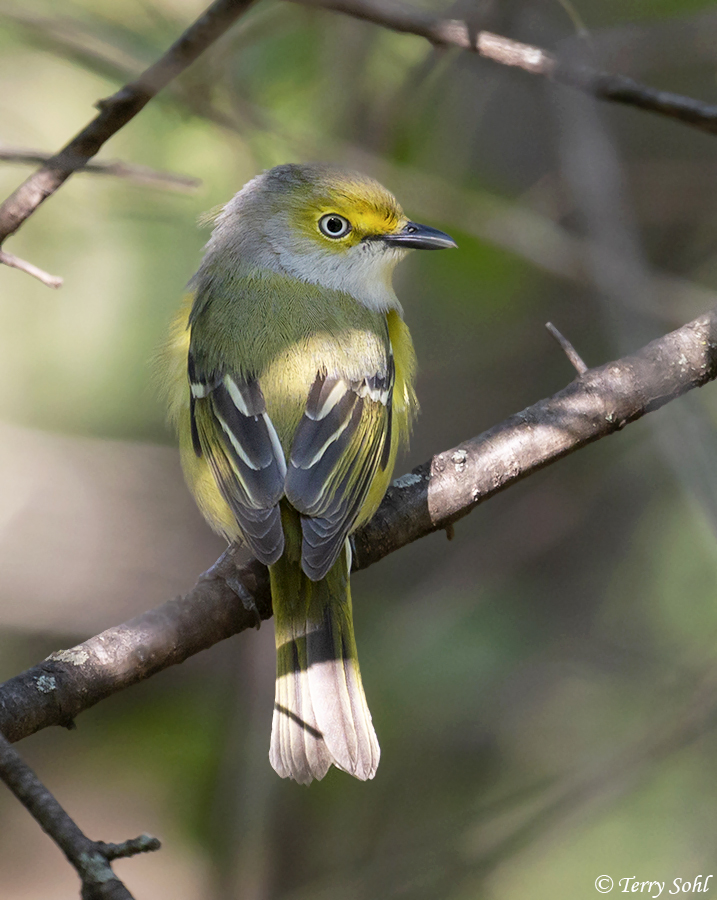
[[366, 218], [364, 203]]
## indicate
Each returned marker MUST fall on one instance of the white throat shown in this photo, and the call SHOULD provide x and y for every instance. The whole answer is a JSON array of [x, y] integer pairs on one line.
[[364, 272]]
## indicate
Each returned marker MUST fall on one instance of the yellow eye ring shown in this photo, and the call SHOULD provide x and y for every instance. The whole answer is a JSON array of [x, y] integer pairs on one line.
[[334, 226]]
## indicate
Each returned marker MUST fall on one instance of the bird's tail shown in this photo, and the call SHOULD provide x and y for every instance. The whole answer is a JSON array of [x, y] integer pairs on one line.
[[320, 712]]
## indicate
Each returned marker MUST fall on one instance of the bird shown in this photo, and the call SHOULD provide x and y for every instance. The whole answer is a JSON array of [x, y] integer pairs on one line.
[[290, 379]]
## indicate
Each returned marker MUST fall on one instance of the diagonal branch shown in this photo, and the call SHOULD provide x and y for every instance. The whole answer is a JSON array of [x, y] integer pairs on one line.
[[14, 262], [572, 354], [443, 32], [116, 111], [132, 172], [434, 496], [91, 859]]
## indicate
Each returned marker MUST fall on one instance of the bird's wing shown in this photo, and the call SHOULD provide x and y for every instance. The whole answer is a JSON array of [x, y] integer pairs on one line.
[[231, 429], [341, 441]]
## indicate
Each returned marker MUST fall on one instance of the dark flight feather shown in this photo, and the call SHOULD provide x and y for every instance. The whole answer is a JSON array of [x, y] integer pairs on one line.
[[237, 437], [337, 448]]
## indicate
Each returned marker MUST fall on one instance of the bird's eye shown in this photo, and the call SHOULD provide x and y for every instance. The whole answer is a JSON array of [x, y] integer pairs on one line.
[[334, 226]]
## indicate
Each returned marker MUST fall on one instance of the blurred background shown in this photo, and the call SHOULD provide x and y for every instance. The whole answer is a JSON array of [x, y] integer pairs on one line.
[[544, 687]]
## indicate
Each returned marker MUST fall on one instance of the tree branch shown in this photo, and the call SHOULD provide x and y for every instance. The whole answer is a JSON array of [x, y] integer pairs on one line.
[[138, 174], [434, 496], [458, 33], [14, 262], [116, 111], [91, 859], [576, 361]]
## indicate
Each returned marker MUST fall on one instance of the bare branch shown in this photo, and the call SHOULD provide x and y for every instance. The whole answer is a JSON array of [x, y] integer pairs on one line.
[[431, 498], [70, 40], [8, 259], [116, 111], [457, 33], [572, 354], [145, 843], [91, 859], [132, 172]]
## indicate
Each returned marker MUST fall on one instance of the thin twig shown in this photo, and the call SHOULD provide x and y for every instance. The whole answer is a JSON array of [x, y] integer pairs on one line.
[[8, 259], [145, 843], [132, 172], [457, 33], [91, 859], [116, 111], [431, 498], [570, 351], [70, 41]]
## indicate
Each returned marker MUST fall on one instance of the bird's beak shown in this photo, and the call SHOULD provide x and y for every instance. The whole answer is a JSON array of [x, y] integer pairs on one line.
[[419, 237]]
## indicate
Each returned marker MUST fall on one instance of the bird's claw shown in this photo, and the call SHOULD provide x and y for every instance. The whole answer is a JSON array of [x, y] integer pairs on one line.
[[224, 569]]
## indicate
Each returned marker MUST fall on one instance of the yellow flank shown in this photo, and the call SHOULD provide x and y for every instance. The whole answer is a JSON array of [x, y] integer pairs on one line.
[[405, 403], [170, 364], [171, 367], [405, 408]]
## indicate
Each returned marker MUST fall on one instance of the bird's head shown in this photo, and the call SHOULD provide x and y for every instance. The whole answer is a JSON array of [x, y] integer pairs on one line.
[[326, 226]]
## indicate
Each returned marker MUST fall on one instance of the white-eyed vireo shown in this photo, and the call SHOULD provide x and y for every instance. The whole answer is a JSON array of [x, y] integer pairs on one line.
[[291, 385]]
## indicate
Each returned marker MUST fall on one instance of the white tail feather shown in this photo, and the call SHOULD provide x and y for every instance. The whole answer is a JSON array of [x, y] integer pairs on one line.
[[321, 717]]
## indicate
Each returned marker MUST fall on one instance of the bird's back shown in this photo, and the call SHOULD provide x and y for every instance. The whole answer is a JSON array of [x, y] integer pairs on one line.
[[283, 332]]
